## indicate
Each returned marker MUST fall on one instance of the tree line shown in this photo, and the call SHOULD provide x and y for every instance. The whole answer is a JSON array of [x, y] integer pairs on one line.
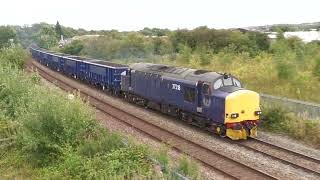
[[179, 45]]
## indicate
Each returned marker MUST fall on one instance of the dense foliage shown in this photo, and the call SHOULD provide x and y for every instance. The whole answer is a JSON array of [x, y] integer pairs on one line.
[[40, 127], [44, 35], [7, 34], [74, 48], [216, 40]]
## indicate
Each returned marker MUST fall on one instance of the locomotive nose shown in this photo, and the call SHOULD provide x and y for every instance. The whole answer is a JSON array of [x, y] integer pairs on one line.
[[242, 111], [242, 105]]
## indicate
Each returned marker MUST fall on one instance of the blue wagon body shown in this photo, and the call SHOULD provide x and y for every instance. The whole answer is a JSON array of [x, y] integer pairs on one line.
[[107, 76], [97, 72]]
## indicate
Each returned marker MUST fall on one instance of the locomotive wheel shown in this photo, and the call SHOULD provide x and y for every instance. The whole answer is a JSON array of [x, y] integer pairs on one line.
[[189, 120], [222, 131]]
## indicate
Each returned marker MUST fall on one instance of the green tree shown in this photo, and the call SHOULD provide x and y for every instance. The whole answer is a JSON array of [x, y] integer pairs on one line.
[[204, 55], [257, 42], [161, 46], [46, 37], [58, 30], [280, 34], [285, 70], [6, 34], [185, 54]]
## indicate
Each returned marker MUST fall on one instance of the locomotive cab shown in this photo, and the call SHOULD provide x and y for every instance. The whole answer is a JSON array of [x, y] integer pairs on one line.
[[236, 108]]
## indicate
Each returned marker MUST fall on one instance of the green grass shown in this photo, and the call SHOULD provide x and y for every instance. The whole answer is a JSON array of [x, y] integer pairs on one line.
[[278, 120]]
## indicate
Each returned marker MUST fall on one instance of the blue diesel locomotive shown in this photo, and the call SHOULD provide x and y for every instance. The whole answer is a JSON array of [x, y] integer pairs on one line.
[[214, 101]]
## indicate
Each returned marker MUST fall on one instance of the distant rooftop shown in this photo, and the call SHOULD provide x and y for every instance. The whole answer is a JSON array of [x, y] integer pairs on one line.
[[305, 36]]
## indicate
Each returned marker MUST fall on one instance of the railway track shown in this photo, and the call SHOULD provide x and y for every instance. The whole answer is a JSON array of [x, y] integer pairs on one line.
[[286, 156], [227, 166]]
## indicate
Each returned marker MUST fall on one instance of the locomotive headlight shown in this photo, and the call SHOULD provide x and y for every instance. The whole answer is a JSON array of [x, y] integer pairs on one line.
[[234, 115], [257, 113]]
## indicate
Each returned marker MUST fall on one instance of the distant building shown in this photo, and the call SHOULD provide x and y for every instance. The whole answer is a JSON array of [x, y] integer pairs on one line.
[[243, 30], [62, 42], [305, 36], [272, 36]]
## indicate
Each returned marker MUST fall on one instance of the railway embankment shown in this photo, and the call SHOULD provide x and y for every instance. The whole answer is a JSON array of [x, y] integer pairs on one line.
[[45, 133]]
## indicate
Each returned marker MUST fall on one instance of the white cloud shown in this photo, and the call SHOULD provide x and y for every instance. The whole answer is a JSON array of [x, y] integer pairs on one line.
[[136, 14]]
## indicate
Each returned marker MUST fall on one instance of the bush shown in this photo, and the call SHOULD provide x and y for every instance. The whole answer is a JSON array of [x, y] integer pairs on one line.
[[161, 46], [120, 163], [128, 161], [285, 70], [74, 48], [49, 126], [188, 168], [185, 54], [14, 92], [13, 56], [274, 118], [71, 166], [7, 33], [204, 55], [101, 144], [278, 120]]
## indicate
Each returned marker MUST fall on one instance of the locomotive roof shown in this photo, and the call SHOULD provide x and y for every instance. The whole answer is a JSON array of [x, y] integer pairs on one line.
[[177, 72]]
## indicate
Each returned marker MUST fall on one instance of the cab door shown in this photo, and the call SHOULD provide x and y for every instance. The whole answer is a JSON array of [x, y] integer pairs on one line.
[[204, 93]]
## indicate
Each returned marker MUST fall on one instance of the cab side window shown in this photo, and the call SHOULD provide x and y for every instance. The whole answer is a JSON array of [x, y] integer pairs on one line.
[[217, 84], [227, 81], [236, 82], [189, 94]]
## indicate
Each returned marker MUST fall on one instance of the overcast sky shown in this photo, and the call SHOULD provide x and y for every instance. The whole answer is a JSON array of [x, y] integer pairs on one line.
[[137, 14]]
